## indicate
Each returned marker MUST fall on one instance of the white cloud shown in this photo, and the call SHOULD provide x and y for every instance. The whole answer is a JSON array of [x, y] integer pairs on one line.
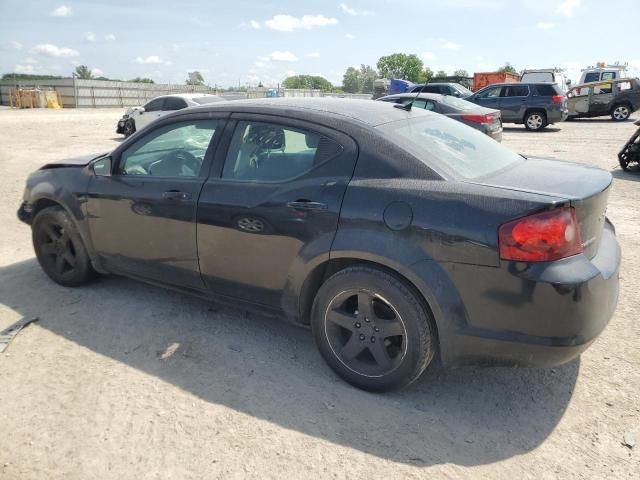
[[62, 11], [290, 73], [15, 45], [350, 36], [24, 69], [287, 23], [545, 26], [313, 55], [279, 56], [568, 7], [451, 45], [428, 56], [90, 37], [75, 63], [53, 51], [30, 60], [151, 59], [109, 37], [168, 62], [255, 25], [97, 72], [353, 12]]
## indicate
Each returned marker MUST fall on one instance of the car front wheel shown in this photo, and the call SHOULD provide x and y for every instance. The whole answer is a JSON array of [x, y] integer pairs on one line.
[[535, 121], [372, 329], [59, 248]]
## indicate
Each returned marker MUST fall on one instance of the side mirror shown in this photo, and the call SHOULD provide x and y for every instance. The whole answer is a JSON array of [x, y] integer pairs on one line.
[[102, 167]]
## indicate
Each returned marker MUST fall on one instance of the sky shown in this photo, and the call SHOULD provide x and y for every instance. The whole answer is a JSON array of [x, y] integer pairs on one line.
[[247, 42]]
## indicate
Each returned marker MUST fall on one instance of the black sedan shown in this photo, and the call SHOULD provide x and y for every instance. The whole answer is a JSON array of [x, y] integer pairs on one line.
[[487, 120], [394, 234]]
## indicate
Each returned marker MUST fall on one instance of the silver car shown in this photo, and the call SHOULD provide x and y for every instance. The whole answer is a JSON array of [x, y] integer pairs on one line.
[[487, 120]]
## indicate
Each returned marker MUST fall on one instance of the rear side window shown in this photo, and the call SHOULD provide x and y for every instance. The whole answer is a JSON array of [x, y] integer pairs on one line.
[[268, 152], [450, 146], [419, 103], [433, 89], [516, 91], [174, 103], [548, 90]]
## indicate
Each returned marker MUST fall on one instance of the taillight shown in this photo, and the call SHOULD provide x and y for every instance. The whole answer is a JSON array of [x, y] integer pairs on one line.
[[541, 237], [557, 99], [478, 118]]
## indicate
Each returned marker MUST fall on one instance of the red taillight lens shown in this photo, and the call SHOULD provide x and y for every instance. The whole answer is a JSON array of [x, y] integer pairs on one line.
[[541, 237], [478, 118], [557, 99]]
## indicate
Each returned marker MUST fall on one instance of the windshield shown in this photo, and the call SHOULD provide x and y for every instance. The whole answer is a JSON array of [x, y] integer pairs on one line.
[[463, 90], [450, 146], [205, 100]]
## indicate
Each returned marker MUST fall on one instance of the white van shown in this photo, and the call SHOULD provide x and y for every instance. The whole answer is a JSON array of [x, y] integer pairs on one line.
[[602, 72], [545, 75]]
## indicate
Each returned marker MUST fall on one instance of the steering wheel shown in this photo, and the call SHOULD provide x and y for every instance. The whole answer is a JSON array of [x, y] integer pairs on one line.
[[186, 159]]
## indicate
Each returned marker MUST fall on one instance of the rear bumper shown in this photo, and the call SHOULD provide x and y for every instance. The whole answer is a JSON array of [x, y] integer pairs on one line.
[[557, 115], [534, 315]]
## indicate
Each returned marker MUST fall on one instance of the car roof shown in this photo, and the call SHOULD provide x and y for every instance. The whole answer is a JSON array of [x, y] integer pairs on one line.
[[520, 83], [368, 112], [439, 98], [187, 96]]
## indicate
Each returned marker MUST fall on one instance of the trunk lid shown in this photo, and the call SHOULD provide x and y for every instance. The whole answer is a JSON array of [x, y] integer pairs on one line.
[[585, 187]]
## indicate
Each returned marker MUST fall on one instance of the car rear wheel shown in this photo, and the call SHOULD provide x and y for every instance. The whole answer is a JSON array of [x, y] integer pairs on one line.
[[59, 248], [372, 329], [535, 121], [129, 128], [620, 113]]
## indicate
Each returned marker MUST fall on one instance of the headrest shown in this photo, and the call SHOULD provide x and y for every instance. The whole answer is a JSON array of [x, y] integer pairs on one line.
[[266, 136]]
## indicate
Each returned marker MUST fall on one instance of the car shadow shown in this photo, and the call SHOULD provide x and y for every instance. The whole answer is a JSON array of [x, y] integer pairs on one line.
[[603, 119], [632, 175], [523, 130], [117, 139], [268, 369]]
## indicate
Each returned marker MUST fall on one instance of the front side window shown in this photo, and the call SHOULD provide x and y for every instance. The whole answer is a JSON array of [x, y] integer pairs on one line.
[[269, 152], [174, 103], [450, 146], [490, 93], [592, 77], [176, 150], [154, 105]]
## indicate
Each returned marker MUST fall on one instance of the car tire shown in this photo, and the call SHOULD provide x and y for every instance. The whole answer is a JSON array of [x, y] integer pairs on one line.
[[620, 112], [372, 329], [59, 248], [535, 120], [129, 128]]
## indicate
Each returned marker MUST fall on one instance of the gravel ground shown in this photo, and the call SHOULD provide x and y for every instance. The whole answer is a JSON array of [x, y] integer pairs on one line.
[[123, 380]]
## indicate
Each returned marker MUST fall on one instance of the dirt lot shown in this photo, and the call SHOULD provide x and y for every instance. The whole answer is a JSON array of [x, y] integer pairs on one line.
[[124, 380]]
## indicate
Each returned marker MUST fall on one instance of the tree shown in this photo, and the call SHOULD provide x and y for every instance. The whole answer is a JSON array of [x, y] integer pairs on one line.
[[508, 68], [401, 66], [440, 74], [195, 78], [84, 72], [28, 76], [312, 82], [461, 73], [359, 80], [426, 75], [141, 80]]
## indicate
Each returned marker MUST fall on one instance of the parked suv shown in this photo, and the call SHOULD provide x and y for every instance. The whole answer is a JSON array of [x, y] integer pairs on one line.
[[536, 105], [618, 98]]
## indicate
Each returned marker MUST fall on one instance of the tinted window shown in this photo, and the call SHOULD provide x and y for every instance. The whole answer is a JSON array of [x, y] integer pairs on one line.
[[491, 92], [548, 90], [176, 150], [154, 105], [445, 144], [270, 152], [419, 103], [433, 89], [592, 77], [174, 103], [516, 91]]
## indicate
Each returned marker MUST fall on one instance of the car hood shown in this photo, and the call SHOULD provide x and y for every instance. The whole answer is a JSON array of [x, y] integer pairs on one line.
[[554, 178], [73, 161]]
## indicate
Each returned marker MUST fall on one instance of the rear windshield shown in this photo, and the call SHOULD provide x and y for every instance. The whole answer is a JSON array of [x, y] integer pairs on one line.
[[205, 100], [460, 104], [548, 90], [449, 146], [533, 77], [462, 89]]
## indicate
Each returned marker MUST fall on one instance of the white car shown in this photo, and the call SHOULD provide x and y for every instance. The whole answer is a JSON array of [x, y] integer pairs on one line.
[[136, 118]]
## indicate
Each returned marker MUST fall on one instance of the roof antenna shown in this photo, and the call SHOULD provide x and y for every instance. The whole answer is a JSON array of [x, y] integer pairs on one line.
[[407, 106]]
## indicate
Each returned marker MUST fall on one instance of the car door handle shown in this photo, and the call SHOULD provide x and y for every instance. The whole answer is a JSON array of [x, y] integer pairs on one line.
[[307, 205], [176, 195]]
